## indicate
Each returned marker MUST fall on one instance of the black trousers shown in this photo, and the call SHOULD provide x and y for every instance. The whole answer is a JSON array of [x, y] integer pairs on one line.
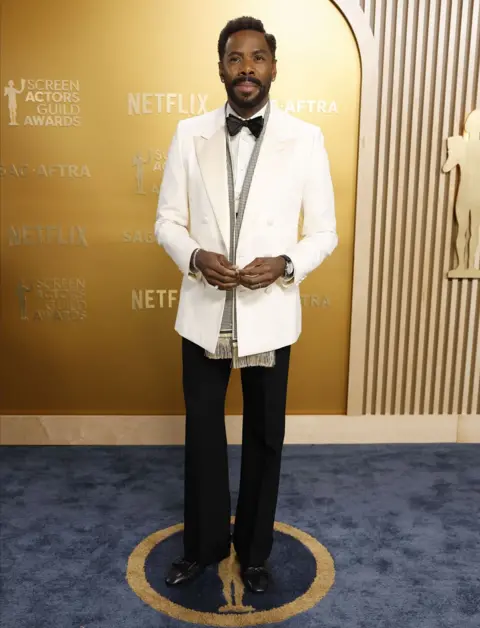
[[207, 494]]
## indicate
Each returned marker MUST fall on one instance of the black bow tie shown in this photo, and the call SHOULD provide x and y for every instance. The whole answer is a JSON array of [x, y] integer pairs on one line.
[[235, 125]]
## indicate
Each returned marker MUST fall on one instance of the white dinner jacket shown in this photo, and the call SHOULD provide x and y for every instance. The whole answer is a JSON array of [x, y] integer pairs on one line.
[[193, 211]]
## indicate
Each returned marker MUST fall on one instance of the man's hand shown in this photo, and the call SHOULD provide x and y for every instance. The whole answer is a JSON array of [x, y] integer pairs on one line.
[[217, 270], [262, 272]]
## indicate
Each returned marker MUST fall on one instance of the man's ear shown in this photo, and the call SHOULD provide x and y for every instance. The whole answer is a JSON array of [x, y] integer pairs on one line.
[[220, 71], [274, 70]]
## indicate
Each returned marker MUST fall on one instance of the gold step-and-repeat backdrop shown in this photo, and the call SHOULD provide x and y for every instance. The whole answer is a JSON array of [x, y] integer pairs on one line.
[[91, 94]]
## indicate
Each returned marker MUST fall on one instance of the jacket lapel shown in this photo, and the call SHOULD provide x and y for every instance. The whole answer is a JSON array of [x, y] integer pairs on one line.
[[211, 154], [270, 171]]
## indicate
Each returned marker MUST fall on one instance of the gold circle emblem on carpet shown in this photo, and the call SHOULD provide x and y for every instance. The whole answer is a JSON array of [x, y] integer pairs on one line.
[[233, 613]]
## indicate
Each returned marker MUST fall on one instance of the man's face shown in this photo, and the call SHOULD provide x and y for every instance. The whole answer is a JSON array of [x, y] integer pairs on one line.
[[247, 69]]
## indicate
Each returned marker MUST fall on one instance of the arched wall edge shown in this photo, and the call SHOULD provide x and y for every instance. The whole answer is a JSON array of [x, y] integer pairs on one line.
[[368, 50]]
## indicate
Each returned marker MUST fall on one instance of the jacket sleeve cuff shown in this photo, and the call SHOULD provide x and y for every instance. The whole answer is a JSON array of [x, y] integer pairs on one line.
[[193, 272]]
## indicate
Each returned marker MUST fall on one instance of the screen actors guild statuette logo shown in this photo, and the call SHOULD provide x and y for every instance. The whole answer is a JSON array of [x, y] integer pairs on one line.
[[465, 153], [55, 101], [157, 159], [233, 588], [225, 602], [22, 299], [11, 92], [52, 299], [138, 163]]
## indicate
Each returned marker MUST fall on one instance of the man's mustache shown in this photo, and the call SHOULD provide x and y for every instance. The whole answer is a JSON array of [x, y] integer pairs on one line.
[[246, 79]]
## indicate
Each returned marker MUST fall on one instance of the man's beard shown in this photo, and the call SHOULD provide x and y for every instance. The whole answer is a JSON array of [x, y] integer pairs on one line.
[[246, 102]]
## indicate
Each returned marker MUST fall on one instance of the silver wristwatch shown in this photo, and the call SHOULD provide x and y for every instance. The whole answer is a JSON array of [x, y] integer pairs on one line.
[[288, 266]]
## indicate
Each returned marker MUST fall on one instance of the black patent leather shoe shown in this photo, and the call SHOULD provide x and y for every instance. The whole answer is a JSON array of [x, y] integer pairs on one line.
[[183, 571], [256, 579]]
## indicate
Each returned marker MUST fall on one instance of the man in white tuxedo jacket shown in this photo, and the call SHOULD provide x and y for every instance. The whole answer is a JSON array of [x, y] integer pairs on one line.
[[234, 185]]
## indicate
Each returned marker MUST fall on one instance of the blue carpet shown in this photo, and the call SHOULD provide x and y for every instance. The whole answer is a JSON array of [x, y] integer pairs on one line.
[[401, 522]]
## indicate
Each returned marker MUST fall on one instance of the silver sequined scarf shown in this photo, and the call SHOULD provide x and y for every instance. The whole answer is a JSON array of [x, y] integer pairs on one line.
[[227, 343]]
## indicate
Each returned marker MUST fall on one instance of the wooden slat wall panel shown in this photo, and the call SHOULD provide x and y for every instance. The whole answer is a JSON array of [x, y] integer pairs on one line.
[[423, 353]]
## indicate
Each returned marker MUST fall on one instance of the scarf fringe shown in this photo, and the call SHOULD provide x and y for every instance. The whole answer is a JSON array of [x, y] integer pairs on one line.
[[228, 350]]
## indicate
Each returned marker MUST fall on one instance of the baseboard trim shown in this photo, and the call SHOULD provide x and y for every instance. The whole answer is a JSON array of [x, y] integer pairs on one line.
[[300, 429]]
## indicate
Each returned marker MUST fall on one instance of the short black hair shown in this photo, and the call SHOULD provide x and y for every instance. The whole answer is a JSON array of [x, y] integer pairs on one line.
[[244, 23]]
